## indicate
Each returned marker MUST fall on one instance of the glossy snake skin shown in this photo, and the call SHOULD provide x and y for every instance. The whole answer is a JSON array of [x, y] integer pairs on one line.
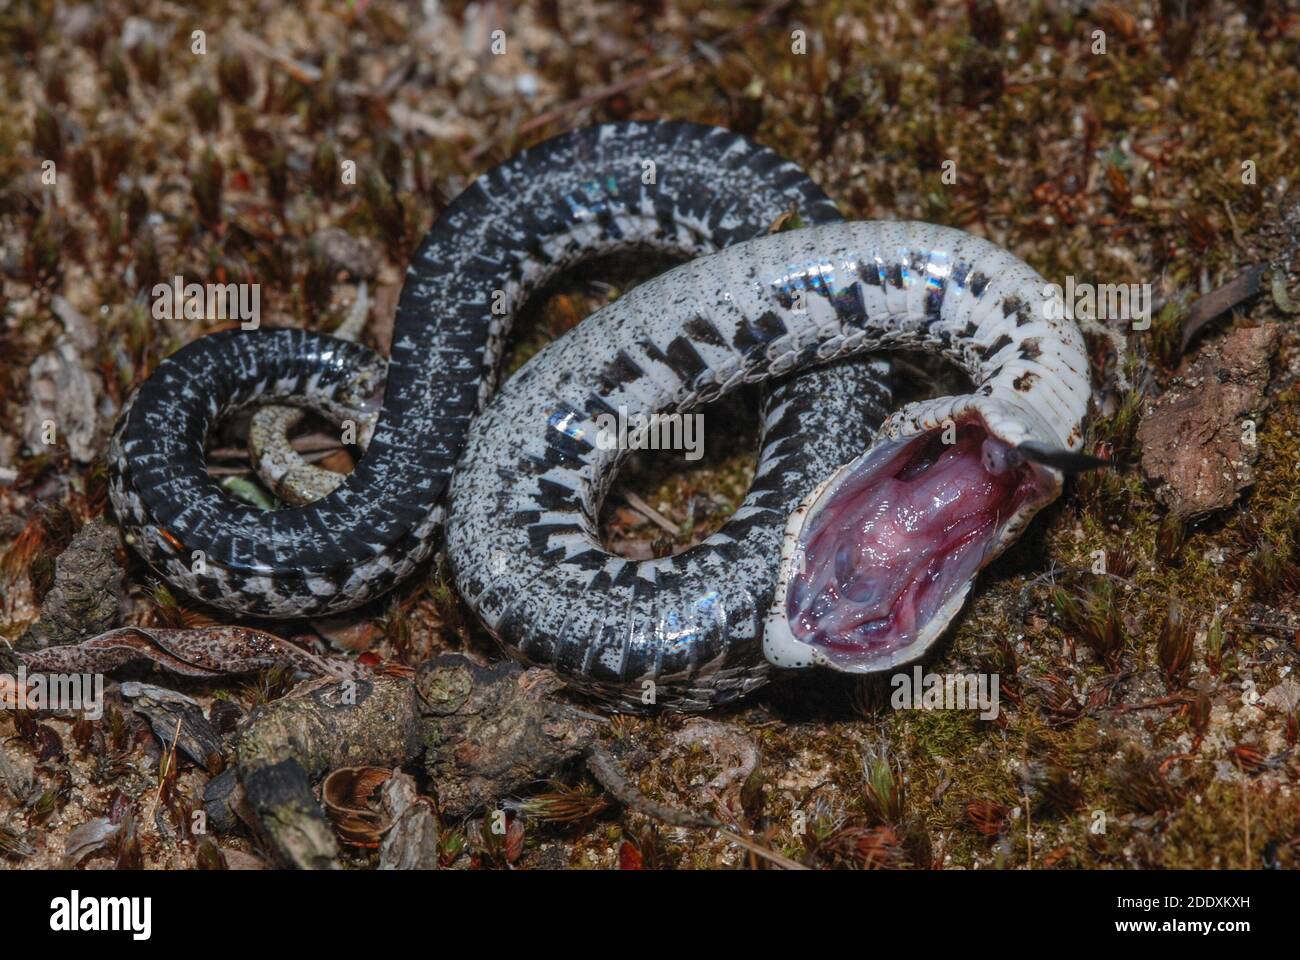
[[682, 189], [524, 501]]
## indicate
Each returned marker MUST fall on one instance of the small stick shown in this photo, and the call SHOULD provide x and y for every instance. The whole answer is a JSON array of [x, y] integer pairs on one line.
[[1173, 700], [1244, 285], [610, 775], [767, 854], [650, 513], [165, 767]]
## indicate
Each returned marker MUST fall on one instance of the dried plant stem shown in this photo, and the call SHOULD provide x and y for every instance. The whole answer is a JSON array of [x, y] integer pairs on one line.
[[609, 774], [650, 513]]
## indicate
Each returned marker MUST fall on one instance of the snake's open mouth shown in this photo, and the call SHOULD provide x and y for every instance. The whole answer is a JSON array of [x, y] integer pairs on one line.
[[887, 548]]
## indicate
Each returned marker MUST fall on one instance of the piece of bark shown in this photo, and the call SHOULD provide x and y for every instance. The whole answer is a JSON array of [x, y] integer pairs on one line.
[[88, 838], [1197, 447], [225, 804], [86, 598], [491, 731], [163, 708], [239, 860], [327, 723], [324, 724], [66, 396], [412, 841], [281, 797]]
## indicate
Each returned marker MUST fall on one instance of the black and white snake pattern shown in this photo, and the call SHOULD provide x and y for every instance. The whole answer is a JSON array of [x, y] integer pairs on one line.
[[678, 188], [870, 562], [533, 475]]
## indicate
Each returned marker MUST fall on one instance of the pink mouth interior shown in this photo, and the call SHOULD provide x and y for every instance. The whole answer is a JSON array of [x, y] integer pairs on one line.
[[898, 536]]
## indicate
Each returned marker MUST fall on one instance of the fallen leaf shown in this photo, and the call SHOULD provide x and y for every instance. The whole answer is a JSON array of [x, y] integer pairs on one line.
[[87, 838], [629, 857], [350, 796], [197, 739], [197, 652]]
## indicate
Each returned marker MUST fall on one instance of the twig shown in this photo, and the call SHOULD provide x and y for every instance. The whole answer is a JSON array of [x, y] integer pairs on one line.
[[650, 513], [1173, 700], [636, 80], [1280, 629], [1173, 758], [766, 853], [610, 775], [166, 766], [1241, 287]]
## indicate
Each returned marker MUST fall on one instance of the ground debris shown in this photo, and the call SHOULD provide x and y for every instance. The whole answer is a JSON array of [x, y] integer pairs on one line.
[[412, 841], [1198, 443], [491, 731], [179, 718], [734, 753], [339, 251], [197, 652], [65, 405], [89, 838], [87, 594], [323, 725], [485, 734]]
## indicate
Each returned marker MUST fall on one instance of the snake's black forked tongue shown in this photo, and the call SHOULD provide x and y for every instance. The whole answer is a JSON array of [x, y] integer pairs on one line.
[[1065, 460]]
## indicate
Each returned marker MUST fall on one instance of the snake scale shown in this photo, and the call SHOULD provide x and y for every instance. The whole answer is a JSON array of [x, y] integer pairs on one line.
[[870, 564]]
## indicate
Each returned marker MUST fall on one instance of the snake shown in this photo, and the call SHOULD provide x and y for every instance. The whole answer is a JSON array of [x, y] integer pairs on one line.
[[873, 562], [680, 189]]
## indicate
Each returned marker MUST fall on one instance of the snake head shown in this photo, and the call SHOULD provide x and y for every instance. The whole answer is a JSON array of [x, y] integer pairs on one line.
[[879, 558]]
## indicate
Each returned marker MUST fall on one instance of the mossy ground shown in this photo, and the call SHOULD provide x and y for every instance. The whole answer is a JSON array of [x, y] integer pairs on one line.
[[1119, 167]]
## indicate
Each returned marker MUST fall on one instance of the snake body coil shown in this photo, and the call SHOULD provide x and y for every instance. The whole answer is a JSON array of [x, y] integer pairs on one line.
[[679, 188], [876, 561], [870, 561]]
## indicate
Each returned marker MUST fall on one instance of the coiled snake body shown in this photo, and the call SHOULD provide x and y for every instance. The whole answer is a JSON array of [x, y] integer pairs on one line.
[[876, 561], [679, 188], [873, 564]]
